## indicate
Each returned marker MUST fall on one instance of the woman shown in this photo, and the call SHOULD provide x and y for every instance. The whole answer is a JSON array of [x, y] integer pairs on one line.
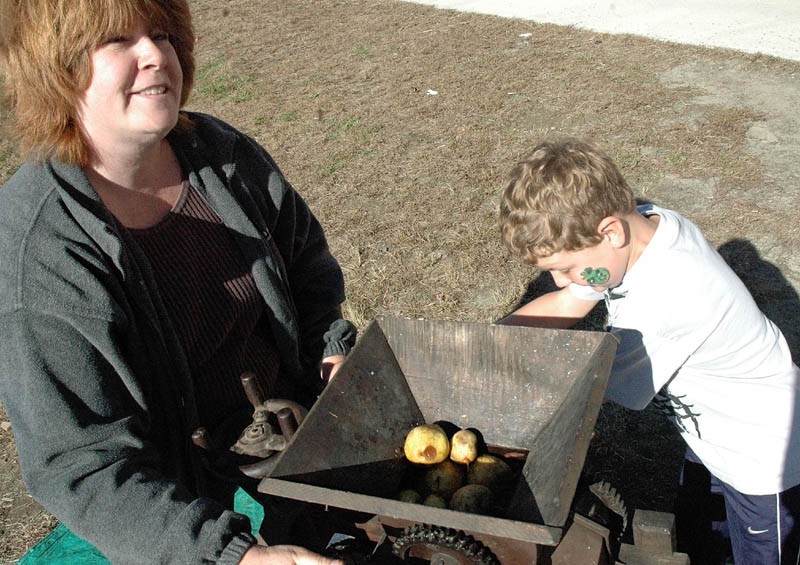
[[148, 257]]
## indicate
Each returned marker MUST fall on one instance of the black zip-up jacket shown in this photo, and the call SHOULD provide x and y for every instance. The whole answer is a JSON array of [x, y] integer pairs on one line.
[[92, 375]]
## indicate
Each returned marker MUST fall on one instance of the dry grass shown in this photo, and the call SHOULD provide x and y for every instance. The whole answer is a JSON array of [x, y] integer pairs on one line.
[[22, 521], [407, 182]]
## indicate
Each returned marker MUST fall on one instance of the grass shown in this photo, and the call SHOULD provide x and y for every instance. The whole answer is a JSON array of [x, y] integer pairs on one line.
[[9, 162], [214, 79]]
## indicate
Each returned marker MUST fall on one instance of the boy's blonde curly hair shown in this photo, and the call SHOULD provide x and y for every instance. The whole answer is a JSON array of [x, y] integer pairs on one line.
[[556, 197], [45, 49]]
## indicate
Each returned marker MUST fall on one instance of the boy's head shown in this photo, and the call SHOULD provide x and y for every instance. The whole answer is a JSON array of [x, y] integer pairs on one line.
[[556, 198]]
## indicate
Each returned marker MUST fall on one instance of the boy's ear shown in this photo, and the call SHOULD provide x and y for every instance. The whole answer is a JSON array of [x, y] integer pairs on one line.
[[612, 228]]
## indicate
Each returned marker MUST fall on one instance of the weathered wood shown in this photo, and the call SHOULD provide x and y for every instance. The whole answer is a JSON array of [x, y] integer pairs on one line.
[[530, 390], [413, 513], [585, 543], [654, 531], [654, 540], [632, 555], [534, 389]]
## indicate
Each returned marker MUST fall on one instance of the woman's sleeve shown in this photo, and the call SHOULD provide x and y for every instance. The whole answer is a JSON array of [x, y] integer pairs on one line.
[[81, 432], [315, 278]]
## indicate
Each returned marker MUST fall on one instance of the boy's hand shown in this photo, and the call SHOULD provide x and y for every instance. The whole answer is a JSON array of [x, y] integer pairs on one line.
[[284, 555]]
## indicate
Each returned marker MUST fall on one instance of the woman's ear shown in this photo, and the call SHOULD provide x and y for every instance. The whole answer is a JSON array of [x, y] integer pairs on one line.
[[613, 229]]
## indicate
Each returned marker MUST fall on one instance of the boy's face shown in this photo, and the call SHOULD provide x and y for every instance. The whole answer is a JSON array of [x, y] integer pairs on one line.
[[602, 266]]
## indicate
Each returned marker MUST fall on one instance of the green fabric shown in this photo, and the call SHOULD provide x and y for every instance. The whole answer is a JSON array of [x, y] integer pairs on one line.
[[62, 547], [245, 504]]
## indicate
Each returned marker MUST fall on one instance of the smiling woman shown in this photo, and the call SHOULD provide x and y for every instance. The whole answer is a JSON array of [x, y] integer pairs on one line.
[[149, 257], [125, 113], [47, 63], [135, 91]]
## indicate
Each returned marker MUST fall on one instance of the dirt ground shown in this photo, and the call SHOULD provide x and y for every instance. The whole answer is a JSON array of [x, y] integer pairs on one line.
[[398, 123]]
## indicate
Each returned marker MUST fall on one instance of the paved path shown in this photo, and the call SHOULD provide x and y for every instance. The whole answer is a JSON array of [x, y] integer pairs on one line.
[[771, 27]]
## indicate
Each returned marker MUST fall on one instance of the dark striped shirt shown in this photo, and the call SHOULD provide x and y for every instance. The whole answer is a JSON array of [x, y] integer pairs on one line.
[[211, 297]]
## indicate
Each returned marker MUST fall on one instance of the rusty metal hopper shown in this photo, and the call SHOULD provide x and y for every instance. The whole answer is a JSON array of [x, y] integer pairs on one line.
[[529, 389]]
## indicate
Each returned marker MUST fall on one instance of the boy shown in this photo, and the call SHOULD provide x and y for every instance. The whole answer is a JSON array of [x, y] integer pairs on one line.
[[691, 338]]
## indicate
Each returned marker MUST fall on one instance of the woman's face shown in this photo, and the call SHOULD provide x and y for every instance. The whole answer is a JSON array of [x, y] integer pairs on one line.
[[135, 92]]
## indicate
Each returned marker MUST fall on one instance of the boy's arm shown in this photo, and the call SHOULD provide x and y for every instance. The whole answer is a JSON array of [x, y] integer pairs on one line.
[[559, 309]]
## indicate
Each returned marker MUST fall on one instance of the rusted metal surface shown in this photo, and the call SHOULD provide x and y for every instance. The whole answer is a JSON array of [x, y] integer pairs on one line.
[[506, 550], [260, 439]]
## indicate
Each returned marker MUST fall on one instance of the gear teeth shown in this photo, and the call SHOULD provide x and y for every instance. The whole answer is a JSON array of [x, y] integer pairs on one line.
[[445, 538], [609, 496]]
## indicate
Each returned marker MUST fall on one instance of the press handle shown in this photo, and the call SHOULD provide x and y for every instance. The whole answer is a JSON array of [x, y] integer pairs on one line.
[[252, 389], [290, 414]]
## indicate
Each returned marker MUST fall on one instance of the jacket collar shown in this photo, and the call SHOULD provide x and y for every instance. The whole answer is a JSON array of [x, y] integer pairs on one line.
[[195, 155], [85, 206]]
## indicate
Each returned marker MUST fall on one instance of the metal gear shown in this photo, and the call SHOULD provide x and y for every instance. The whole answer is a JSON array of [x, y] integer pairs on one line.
[[442, 546], [600, 503], [609, 496]]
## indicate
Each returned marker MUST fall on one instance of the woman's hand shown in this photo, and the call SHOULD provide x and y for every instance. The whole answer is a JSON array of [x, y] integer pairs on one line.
[[330, 365], [284, 555]]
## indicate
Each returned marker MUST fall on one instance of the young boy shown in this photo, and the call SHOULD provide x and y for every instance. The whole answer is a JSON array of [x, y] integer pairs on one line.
[[691, 338]]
